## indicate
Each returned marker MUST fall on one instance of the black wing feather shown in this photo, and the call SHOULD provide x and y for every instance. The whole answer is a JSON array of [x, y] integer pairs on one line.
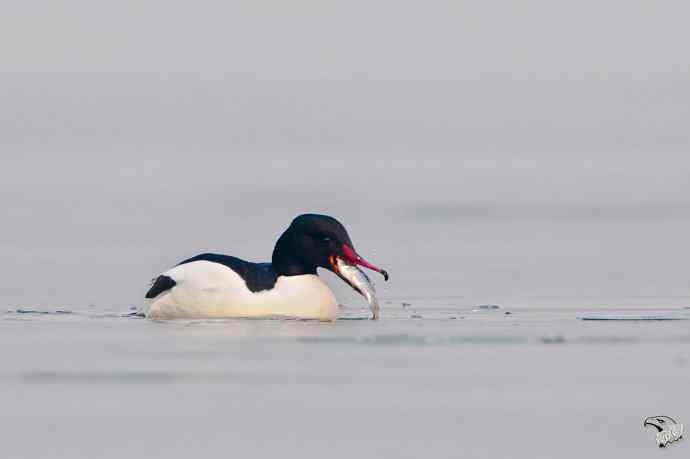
[[160, 285], [257, 276]]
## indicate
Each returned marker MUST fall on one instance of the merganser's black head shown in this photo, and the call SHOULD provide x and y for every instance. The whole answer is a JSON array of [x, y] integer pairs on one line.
[[314, 241]]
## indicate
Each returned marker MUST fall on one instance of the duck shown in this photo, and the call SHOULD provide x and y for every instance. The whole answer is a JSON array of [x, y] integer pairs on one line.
[[216, 286]]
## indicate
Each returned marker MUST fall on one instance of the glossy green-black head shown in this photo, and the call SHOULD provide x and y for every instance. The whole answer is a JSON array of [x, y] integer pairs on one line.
[[312, 241]]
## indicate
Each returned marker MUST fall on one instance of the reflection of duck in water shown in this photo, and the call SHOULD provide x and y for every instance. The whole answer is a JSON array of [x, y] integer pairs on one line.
[[217, 286]]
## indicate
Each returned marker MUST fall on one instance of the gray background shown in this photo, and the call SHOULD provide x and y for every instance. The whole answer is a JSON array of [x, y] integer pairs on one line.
[[490, 149]]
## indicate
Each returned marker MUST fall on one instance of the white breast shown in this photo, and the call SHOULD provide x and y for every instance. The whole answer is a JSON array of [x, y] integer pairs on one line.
[[210, 290]]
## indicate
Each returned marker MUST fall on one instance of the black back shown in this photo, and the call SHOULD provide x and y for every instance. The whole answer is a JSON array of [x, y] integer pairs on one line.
[[257, 276]]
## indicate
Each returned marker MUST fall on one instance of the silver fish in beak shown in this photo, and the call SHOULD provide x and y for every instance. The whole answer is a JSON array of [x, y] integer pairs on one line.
[[359, 281]]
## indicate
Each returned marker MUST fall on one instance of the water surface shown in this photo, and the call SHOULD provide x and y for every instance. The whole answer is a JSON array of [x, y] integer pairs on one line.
[[433, 377]]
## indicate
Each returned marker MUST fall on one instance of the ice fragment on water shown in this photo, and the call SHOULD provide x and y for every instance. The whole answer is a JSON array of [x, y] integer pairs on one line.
[[632, 317], [553, 339]]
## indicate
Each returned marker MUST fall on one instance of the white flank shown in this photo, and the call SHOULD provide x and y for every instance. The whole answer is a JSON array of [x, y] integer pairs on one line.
[[207, 290]]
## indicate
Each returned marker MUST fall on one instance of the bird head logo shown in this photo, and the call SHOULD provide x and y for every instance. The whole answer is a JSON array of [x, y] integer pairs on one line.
[[667, 429]]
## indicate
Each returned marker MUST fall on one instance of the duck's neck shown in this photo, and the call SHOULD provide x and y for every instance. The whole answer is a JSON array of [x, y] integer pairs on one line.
[[287, 259]]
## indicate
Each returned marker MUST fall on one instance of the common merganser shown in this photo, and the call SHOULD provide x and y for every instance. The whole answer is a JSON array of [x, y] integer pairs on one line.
[[220, 286]]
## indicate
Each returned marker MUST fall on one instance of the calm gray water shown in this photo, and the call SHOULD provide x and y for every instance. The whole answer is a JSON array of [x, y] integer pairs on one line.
[[436, 377], [529, 154]]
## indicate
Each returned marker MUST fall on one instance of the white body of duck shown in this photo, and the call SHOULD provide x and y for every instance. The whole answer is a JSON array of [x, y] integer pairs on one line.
[[208, 290]]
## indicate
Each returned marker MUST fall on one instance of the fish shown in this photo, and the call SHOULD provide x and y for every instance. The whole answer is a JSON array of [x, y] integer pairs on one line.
[[359, 281]]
